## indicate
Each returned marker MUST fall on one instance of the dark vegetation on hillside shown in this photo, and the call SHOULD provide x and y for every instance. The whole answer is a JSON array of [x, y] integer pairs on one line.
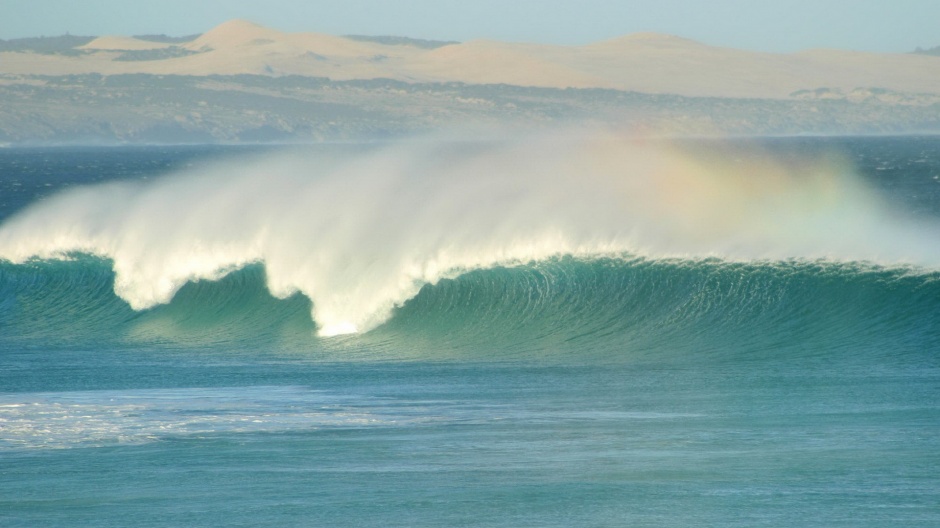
[[165, 39], [929, 51], [67, 44], [402, 41], [171, 52], [142, 108], [63, 45]]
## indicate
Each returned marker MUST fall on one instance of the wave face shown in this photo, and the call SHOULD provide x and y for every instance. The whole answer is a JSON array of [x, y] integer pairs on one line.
[[607, 309], [626, 308], [360, 234]]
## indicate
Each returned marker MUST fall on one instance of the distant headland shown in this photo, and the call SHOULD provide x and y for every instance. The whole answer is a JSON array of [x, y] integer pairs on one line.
[[242, 82]]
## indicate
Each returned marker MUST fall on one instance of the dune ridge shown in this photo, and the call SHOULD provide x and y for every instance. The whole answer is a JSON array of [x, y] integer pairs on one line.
[[643, 62]]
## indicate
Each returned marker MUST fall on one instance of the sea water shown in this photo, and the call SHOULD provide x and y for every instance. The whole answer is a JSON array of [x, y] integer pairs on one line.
[[551, 331]]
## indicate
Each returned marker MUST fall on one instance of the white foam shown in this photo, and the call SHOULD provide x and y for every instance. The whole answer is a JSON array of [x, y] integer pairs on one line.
[[361, 234], [81, 419], [98, 418]]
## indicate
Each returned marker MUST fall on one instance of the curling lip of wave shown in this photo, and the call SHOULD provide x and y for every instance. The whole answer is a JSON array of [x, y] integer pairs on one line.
[[361, 234]]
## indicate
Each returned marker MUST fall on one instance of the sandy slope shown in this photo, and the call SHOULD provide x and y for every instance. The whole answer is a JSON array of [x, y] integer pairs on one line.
[[114, 42], [646, 62]]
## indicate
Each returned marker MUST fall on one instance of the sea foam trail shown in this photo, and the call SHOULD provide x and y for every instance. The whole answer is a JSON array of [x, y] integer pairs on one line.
[[359, 234]]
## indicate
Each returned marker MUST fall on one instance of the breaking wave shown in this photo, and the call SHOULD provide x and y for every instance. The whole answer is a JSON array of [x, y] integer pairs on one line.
[[550, 237]]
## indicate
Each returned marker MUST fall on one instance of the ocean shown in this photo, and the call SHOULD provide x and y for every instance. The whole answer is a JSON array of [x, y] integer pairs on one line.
[[549, 330]]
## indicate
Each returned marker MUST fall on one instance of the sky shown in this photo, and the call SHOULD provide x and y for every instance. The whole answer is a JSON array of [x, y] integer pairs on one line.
[[760, 25]]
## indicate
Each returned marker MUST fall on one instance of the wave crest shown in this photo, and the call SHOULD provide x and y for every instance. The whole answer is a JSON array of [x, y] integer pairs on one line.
[[360, 234]]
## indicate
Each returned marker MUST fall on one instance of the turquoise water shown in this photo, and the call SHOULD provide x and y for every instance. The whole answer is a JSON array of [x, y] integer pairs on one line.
[[602, 384]]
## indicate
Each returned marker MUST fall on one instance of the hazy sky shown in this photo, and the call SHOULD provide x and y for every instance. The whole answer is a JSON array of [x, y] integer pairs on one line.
[[769, 25]]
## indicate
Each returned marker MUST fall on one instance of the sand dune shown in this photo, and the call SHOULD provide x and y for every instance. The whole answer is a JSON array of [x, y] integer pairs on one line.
[[248, 38], [490, 62], [114, 42], [645, 62]]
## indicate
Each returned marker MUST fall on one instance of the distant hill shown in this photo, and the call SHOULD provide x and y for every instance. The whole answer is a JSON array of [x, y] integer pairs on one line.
[[64, 44], [243, 82], [929, 51], [647, 63]]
